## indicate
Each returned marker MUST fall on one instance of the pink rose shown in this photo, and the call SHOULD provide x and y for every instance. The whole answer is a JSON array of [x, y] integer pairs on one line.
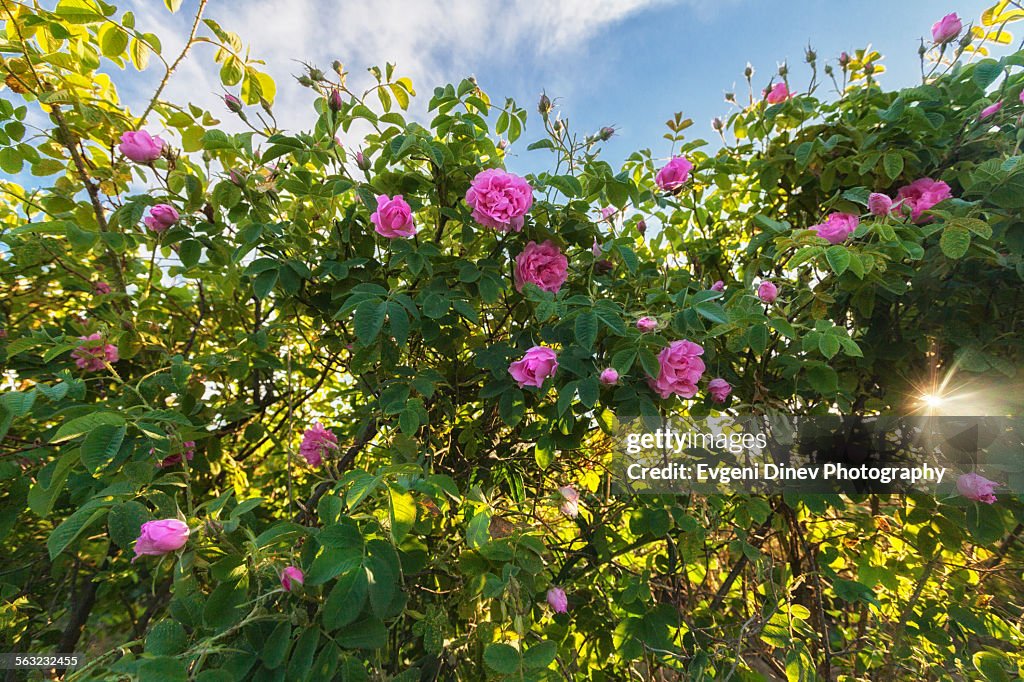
[[140, 146], [922, 194], [543, 265], [879, 204], [647, 324], [539, 363], [595, 248], [93, 355], [157, 538], [499, 199], [680, 370], [161, 218], [316, 442], [570, 501], [946, 29], [767, 292], [778, 93], [557, 600], [188, 448], [609, 377], [393, 217], [837, 227], [607, 212], [101, 287], [291, 576], [990, 110], [718, 286], [976, 487], [674, 173], [719, 389]]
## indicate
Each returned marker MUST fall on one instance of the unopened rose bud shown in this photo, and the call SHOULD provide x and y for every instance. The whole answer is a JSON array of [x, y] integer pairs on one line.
[[730, 97], [810, 55], [316, 74], [305, 81], [606, 133], [266, 107], [502, 145], [641, 227], [966, 39], [717, 124], [544, 106], [828, 70], [748, 72], [603, 266], [844, 60], [869, 68], [338, 67], [362, 162], [783, 69], [558, 126], [334, 101], [233, 104], [236, 178]]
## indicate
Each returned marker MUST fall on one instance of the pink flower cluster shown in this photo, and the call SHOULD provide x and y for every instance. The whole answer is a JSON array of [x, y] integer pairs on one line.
[[393, 217], [543, 265], [499, 199], [837, 227], [538, 364], [161, 218], [157, 538], [317, 442], [93, 355], [140, 146]]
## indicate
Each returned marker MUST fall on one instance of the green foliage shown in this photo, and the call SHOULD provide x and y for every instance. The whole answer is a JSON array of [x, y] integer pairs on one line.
[[431, 534]]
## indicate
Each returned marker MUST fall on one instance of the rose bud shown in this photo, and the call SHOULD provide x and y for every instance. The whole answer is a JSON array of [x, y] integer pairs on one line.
[[334, 101], [233, 104]]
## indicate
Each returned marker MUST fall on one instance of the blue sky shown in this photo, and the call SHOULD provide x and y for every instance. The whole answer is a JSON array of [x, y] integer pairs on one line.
[[626, 63]]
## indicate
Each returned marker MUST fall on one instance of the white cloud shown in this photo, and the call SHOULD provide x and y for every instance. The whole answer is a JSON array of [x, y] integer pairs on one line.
[[432, 41]]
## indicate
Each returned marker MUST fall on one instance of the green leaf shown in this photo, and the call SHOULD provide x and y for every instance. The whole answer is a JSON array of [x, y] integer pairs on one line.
[[712, 311], [586, 329], [829, 345], [502, 658], [369, 320], [166, 638], [955, 241], [275, 648], [101, 445], [264, 282], [540, 655], [823, 379], [403, 514], [368, 633], [124, 522], [163, 669], [892, 162], [66, 533], [85, 424], [345, 602], [838, 258]]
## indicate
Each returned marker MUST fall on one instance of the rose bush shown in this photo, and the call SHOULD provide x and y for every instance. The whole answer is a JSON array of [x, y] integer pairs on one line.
[[342, 408]]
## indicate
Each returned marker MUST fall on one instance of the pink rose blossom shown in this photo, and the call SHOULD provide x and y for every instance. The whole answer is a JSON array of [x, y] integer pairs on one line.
[[767, 292], [291, 576], [157, 538], [947, 28], [539, 363], [923, 194], [680, 370], [140, 146], [647, 324], [316, 443], [718, 286], [393, 217], [499, 199], [93, 355], [879, 204], [778, 93], [188, 448], [976, 487], [674, 173], [990, 110], [557, 600], [101, 287], [543, 265], [570, 501], [607, 212], [719, 389], [609, 376], [161, 218], [837, 227]]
